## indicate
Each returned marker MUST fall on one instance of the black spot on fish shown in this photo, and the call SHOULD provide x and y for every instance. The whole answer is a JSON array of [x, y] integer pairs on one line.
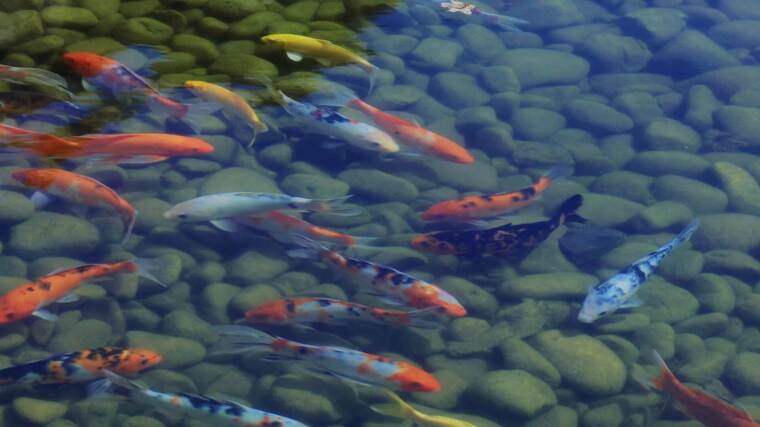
[[234, 410], [293, 205], [303, 350], [486, 198], [30, 288], [528, 192], [324, 302], [44, 285], [82, 268], [401, 279], [290, 306], [639, 274]]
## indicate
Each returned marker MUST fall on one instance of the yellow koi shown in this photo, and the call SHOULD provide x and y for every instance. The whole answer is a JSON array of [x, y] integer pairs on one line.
[[326, 52], [400, 409], [233, 105]]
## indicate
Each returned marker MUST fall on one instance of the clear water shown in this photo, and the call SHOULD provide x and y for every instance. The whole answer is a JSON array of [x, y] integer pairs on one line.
[[654, 105]]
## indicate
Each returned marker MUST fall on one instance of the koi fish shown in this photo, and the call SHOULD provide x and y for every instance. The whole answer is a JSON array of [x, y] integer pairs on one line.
[[328, 121], [400, 409], [414, 136], [394, 286], [475, 207], [305, 310], [222, 413], [30, 299], [138, 148], [283, 227], [467, 8], [233, 105], [218, 206], [508, 240], [344, 363], [700, 405], [34, 77], [24, 143], [80, 366], [110, 74], [16, 103], [326, 52], [77, 189], [619, 290]]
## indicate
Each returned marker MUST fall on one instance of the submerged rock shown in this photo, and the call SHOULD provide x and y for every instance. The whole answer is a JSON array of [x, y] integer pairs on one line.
[[584, 244], [512, 392], [47, 233]]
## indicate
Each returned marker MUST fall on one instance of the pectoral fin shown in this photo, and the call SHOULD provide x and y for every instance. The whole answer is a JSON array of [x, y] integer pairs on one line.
[[68, 298], [44, 314], [632, 302], [294, 56], [41, 199]]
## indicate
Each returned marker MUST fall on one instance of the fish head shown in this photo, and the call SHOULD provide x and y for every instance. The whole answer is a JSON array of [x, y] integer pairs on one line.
[[429, 243], [187, 146], [196, 85], [457, 154], [33, 177], [277, 40], [596, 305], [410, 378], [376, 140], [87, 64], [189, 211], [136, 360], [422, 295], [275, 312]]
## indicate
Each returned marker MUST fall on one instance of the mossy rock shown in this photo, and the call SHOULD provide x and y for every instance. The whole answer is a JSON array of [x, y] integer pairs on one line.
[[253, 25], [243, 65], [548, 286], [88, 333], [517, 354], [700, 197], [99, 45], [38, 412], [512, 392], [314, 186], [298, 396], [176, 352], [232, 9], [48, 233], [202, 49], [727, 231], [379, 185], [68, 17], [143, 30]]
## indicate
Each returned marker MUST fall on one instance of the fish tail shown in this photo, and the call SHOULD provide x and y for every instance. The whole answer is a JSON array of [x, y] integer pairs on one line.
[[666, 380], [148, 268], [372, 72], [130, 221], [36, 76], [509, 23], [238, 339], [309, 249], [557, 172], [122, 382], [332, 95], [566, 212], [686, 233], [397, 408], [333, 206]]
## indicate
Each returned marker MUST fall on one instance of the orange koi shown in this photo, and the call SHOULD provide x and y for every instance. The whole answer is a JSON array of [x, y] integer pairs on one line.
[[703, 407], [140, 148], [24, 142], [31, 298], [78, 189], [483, 206]]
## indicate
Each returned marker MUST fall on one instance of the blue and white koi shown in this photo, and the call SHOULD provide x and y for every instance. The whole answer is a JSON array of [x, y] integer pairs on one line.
[[618, 291], [221, 413], [470, 9], [328, 121], [219, 206], [349, 365], [394, 286]]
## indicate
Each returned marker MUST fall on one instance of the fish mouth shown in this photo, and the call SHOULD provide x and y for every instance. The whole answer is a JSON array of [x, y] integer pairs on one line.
[[585, 318]]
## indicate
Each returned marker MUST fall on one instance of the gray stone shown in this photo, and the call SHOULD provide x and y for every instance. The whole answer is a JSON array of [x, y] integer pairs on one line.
[[541, 67]]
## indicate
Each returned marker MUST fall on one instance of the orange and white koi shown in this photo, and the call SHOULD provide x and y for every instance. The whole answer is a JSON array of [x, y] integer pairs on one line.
[[344, 363], [78, 189], [306, 310], [111, 74], [222, 413], [139, 148], [283, 227], [80, 366], [31, 298], [394, 286], [483, 206], [34, 77]]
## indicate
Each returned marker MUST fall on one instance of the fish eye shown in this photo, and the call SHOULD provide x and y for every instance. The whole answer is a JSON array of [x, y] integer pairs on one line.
[[182, 216]]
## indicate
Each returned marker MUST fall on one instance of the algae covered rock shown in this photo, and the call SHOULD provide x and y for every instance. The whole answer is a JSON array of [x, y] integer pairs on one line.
[[596, 116], [15, 208], [38, 412], [457, 90], [47, 233], [312, 399], [143, 30], [585, 363], [88, 333], [540, 67], [727, 231], [176, 352], [435, 53], [240, 65], [379, 185], [512, 392], [741, 372], [667, 134], [700, 197], [68, 17], [237, 179], [548, 286], [742, 189], [314, 186], [517, 354]]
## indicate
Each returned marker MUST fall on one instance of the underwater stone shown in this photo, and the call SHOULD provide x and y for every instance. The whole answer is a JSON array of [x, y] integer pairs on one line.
[[656, 336], [584, 244], [253, 296], [682, 265], [584, 362], [547, 286], [623, 255], [331, 11], [180, 323], [476, 300], [254, 25], [729, 261], [99, 45], [742, 189], [93, 412], [701, 103], [88, 333], [177, 352], [241, 65], [47, 233], [666, 134], [512, 392], [41, 45], [395, 97], [548, 14], [313, 186], [500, 78], [478, 176], [703, 368], [536, 124], [100, 8], [253, 267], [203, 50], [68, 17], [379, 185], [742, 122], [606, 415], [395, 44], [452, 388], [641, 107], [596, 116], [701, 197], [664, 302], [517, 354], [215, 298], [541, 67], [142, 31], [479, 41], [558, 416], [212, 27], [232, 9], [657, 163], [703, 325], [614, 53], [628, 185], [234, 179], [38, 412], [654, 25], [691, 53], [540, 155], [457, 90], [137, 8], [740, 9], [622, 323], [15, 208], [311, 399], [741, 372], [736, 34], [25, 25], [301, 11], [727, 231], [608, 211]]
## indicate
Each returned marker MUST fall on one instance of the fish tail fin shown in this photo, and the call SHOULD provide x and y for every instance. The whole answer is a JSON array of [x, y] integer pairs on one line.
[[566, 211], [249, 146], [122, 382], [238, 339], [309, 249], [686, 233], [333, 206], [130, 221], [148, 268], [192, 115], [372, 73], [397, 408], [509, 23], [557, 172], [332, 95], [37, 76], [665, 380]]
